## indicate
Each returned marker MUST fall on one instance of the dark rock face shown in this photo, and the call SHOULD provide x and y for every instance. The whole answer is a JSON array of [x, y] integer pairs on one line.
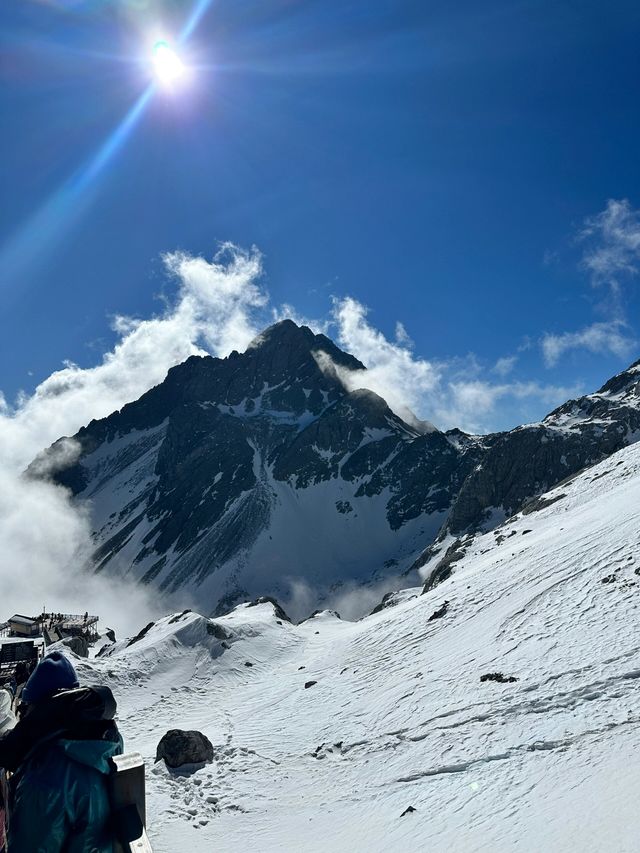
[[217, 631], [78, 646], [530, 460], [179, 747], [440, 612], [444, 567], [141, 634]]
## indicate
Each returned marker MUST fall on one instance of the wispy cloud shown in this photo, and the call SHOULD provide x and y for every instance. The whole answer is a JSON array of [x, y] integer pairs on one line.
[[612, 236], [473, 404], [602, 338], [505, 365], [217, 309], [449, 393], [393, 371], [611, 257]]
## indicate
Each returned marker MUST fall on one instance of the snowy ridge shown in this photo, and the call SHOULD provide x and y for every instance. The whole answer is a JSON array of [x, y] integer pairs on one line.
[[398, 715]]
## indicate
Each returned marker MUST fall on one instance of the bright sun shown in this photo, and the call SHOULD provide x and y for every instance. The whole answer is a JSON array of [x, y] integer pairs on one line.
[[168, 66]]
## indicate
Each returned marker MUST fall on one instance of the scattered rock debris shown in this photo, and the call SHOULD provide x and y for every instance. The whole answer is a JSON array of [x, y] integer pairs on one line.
[[440, 612], [609, 579], [323, 750], [499, 677]]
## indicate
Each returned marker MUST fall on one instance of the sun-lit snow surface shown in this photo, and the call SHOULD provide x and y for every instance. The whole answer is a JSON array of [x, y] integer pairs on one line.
[[398, 716]]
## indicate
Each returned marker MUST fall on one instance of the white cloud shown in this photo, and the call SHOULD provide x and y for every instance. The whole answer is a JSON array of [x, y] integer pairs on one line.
[[393, 371], [448, 393], [613, 238], [611, 256], [472, 405], [214, 312], [44, 540], [505, 365], [350, 600], [601, 338]]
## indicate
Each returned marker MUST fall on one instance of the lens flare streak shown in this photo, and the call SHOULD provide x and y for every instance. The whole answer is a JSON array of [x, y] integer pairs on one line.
[[198, 12], [47, 225]]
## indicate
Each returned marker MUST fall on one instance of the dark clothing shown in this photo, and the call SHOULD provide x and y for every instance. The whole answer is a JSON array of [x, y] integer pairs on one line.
[[59, 754]]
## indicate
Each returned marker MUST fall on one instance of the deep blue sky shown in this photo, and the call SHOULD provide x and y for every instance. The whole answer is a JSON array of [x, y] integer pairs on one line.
[[423, 156]]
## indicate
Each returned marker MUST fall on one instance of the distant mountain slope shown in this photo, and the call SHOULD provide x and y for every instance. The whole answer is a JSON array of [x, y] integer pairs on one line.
[[531, 459], [382, 735], [260, 474]]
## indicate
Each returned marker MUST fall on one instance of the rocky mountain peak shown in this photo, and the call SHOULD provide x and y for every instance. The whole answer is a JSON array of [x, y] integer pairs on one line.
[[286, 342], [627, 382], [281, 370], [236, 474]]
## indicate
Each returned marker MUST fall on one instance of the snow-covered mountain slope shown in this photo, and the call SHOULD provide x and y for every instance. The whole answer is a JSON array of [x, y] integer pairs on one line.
[[257, 473], [397, 715], [529, 460]]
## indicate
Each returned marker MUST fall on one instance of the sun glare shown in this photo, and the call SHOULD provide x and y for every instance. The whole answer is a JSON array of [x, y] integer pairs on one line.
[[168, 66]]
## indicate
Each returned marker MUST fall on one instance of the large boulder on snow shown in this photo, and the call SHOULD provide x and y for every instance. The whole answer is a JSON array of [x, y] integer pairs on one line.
[[179, 747]]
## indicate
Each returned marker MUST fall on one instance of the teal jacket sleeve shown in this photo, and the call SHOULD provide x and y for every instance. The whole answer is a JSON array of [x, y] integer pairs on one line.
[[38, 820]]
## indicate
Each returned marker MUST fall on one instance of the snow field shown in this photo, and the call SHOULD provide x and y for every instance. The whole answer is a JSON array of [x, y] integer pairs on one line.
[[398, 716]]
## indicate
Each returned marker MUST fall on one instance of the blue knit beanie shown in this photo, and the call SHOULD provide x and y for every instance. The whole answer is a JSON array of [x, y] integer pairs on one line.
[[53, 673]]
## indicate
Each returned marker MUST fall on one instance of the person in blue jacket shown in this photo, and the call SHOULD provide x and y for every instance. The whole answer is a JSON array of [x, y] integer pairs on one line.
[[59, 757]]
